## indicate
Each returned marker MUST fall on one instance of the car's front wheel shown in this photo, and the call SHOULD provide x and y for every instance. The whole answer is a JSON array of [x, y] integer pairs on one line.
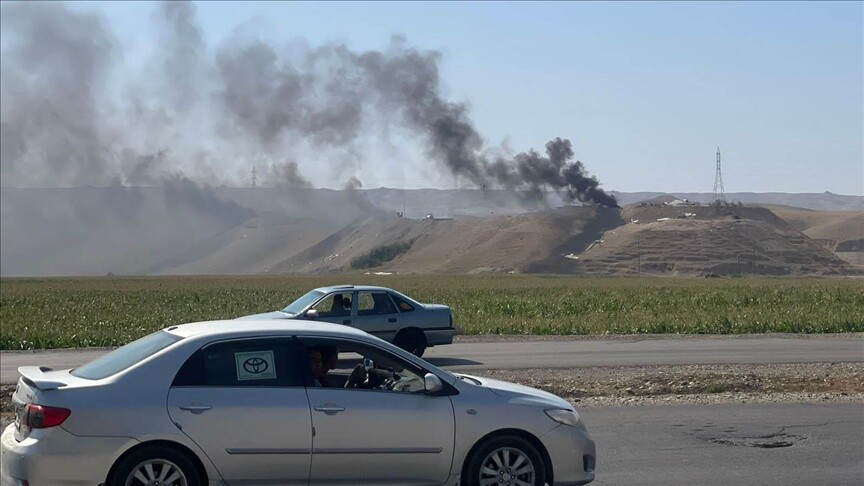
[[412, 340], [506, 461], [155, 466]]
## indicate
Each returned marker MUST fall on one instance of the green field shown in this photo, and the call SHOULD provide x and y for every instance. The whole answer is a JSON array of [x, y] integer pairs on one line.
[[67, 312]]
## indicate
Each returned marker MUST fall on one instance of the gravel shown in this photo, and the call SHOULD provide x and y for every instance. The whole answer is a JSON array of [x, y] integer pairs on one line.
[[658, 385]]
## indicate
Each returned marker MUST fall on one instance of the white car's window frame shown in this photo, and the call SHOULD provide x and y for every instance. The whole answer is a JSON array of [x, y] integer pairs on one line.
[[372, 294], [305, 341], [324, 297], [396, 297], [293, 349]]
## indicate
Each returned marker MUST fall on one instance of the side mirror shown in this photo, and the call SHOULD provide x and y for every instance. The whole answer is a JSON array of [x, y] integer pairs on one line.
[[312, 314], [432, 383]]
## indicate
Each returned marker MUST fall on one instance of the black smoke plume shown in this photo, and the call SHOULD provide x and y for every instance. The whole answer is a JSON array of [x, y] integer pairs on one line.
[[72, 115]]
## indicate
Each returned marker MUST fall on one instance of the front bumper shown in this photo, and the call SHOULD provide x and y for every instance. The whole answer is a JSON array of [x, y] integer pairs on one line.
[[56, 457], [573, 455], [439, 336]]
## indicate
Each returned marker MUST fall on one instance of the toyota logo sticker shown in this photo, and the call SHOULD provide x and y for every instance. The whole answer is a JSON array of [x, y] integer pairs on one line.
[[255, 365]]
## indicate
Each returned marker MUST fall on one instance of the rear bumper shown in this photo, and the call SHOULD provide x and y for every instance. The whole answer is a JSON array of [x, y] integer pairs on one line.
[[54, 456], [573, 455], [439, 336]]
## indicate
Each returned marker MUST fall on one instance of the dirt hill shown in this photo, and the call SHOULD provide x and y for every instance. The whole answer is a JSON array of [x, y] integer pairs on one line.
[[649, 239], [839, 231], [521, 243], [183, 228], [702, 240]]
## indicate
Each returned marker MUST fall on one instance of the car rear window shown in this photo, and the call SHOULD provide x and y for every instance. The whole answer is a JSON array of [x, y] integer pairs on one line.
[[125, 356], [403, 306], [246, 362]]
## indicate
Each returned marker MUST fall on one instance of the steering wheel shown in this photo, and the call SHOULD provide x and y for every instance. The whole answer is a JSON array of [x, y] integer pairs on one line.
[[358, 376]]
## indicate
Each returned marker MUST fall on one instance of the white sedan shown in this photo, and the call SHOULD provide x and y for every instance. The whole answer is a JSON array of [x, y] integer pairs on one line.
[[383, 312], [289, 403]]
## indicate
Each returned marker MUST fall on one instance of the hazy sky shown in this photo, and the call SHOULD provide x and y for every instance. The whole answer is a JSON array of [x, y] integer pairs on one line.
[[646, 91]]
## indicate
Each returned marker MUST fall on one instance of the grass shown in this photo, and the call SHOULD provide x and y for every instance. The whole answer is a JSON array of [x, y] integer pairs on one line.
[[380, 255], [109, 311]]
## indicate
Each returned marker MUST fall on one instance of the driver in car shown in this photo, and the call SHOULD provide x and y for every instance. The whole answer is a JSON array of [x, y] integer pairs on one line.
[[321, 361]]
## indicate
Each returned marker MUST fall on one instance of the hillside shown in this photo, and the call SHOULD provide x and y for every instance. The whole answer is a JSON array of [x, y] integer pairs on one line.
[[663, 240], [96, 231], [520, 243], [250, 248], [183, 228], [649, 239], [839, 231], [824, 201]]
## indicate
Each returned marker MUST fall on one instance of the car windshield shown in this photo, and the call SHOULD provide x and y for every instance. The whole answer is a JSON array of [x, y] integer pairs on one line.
[[303, 302], [125, 356]]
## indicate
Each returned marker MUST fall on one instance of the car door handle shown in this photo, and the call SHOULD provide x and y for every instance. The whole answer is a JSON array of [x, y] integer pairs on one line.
[[195, 408], [346, 321], [329, 408], [392, 319]]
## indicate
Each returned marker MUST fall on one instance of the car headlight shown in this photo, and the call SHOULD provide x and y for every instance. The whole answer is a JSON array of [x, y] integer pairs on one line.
[[566, 417]]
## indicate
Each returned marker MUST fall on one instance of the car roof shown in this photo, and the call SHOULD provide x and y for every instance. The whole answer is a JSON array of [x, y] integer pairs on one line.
[[230, 327], [351, 287]]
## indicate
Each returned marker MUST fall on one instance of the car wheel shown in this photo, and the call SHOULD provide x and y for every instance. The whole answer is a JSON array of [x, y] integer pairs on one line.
[[411, 340], [162, 466], [506, 461]]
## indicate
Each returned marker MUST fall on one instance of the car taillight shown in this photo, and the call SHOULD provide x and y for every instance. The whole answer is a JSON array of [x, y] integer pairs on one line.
[[42, 417]]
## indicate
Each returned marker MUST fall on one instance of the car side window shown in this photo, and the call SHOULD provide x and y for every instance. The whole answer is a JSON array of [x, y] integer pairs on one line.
[[242, 363], [402, 305], [334, 305], [374, 303], [339, 363]]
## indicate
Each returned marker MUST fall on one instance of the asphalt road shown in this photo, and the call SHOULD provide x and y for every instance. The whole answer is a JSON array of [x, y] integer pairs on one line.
[[568, 353], [707, 445]]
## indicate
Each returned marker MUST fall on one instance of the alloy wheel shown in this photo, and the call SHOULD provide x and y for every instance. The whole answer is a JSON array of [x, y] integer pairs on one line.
[[507, 466], [156, 472]]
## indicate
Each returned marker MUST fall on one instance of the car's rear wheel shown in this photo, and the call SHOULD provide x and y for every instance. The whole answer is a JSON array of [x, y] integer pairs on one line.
[[412, 340], [506, 461], [156, 466]]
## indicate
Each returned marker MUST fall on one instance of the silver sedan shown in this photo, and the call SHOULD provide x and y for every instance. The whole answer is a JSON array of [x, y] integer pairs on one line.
[[283, 403]]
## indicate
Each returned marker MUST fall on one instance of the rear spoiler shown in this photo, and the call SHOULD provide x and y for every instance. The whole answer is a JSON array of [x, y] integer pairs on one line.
[[34, 376]]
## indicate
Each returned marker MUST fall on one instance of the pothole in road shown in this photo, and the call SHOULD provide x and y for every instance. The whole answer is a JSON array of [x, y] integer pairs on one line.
[[773, 441]]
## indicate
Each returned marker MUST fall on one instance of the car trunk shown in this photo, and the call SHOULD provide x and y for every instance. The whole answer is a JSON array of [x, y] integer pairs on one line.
[[38, 386]]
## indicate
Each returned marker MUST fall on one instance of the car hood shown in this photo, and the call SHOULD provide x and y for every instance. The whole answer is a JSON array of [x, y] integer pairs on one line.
[[520, 393], [267, 315]]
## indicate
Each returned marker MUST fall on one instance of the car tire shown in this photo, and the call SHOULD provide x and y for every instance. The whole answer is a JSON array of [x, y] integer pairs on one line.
[[158, 457], [520, 453], [412, 340]]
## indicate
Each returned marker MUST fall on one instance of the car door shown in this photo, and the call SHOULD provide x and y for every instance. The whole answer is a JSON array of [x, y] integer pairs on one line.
[[244, 403], [374, 436], [376, 314], [336, 307]]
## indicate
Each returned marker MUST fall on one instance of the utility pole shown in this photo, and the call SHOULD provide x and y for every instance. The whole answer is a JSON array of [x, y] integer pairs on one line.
[[719, 192]]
